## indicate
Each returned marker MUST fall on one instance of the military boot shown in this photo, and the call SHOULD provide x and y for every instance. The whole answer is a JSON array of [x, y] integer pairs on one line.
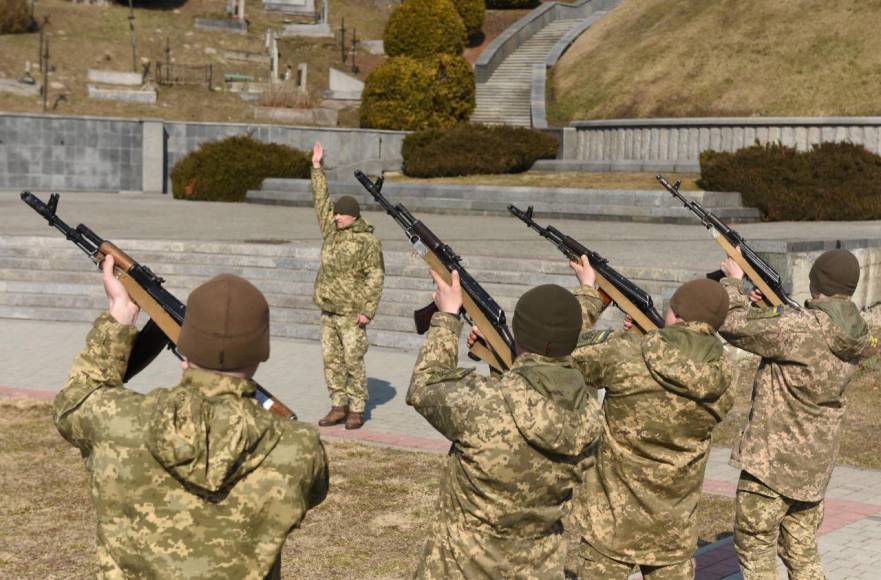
[[335, 416], [355, 420]]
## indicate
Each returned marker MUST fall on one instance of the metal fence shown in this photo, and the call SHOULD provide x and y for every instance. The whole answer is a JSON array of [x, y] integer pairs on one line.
[[170, 74]]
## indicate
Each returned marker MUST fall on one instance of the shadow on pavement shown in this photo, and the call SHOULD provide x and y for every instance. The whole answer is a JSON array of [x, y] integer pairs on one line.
[[379, 392]]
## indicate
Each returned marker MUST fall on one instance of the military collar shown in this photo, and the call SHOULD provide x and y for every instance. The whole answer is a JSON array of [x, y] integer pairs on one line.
[[214, 384], [531, 359]]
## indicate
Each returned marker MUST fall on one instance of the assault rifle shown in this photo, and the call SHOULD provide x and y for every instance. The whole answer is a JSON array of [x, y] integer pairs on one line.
[[612, 286], [497, 347], [145, 289], [760, 273]]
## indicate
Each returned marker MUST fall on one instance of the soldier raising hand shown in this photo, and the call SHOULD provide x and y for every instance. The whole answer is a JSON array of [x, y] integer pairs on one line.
[[347, 290]]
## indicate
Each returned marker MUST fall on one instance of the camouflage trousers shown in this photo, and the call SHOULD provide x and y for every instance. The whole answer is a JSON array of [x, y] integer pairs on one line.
[[454, 552], [343, 345], [768, 523], [597, 566]]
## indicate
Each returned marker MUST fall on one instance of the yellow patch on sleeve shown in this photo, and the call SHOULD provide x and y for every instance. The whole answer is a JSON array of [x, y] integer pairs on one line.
[[759, 312]]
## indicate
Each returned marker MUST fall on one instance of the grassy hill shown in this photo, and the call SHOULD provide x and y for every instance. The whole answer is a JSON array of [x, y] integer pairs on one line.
[[678, 58]]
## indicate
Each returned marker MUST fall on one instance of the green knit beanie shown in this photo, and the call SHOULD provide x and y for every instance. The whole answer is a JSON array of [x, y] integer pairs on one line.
[[347, 205], [835, 272], [547, 321], [701, 300]]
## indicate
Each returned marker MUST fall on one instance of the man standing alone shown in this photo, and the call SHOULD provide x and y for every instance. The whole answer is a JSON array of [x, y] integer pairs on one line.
[[347, 289]]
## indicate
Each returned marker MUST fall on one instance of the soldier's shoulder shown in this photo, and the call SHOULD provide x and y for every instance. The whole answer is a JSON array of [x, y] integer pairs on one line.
[[763, 312], [453, 375]]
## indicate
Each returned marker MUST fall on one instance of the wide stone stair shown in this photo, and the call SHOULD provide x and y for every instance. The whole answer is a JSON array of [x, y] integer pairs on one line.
[[505, 97], [43, 278], [599, 204]]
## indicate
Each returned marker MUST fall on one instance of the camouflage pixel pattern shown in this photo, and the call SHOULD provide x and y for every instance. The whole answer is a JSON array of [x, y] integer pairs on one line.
[[762, 514], [598, 566], [791, 440], [197, 481], [350, 277], [517, 444], [343, 346], [665, 392]]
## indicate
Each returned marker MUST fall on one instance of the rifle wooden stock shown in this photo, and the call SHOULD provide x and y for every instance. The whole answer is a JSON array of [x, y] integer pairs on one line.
[[642, 323], [770, 297], [122, 264], [495, 351]]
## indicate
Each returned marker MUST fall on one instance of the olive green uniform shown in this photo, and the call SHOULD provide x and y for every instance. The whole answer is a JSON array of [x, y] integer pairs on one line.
[[517, 444], [348, 283], [197, 481], [788, 448], [665, 392]]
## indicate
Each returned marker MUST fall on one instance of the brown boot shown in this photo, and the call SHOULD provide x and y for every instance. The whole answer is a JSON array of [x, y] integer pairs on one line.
[[355, 420], [335, 416]]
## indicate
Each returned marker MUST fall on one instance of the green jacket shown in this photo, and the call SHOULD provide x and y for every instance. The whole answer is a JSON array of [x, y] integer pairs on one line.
[[665, 392], [517, 444], [351, 273], [197, 481], [808, 356]]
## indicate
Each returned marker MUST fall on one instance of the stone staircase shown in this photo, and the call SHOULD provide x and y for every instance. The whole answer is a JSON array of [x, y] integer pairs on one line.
[[505, 97], [47, 278], [603, 204]]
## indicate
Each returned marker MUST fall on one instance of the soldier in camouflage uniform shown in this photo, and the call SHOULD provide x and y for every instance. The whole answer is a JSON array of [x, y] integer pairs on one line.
[[665, 392], [517, 441], [197, 481], [788, 448], [347, 289]]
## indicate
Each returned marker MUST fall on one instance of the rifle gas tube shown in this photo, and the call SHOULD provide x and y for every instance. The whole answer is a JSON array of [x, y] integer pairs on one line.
[[497, 348], [760, 273], [613, 287], [145, 288]]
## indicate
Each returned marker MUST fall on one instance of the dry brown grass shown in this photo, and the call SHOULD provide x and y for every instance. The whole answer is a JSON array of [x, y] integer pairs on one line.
[[83, 37], [676, 58], [623, 180], [372, 524], [861, 433]]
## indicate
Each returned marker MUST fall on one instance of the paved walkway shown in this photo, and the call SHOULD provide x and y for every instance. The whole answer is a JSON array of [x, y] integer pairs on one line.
[[37, 356]]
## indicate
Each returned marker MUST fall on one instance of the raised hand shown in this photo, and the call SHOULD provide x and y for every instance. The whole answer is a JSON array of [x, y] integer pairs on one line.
[[120, 305]]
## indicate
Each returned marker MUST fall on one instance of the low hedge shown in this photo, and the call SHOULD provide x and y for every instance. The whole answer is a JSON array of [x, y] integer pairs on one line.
[[15, 17], [831, 181], [424, 28], [226, 170], [475, 149], [411, 94]]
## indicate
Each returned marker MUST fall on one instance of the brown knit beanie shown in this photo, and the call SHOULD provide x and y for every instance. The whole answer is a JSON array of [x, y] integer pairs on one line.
[[347, 205], [701, 300], [226, 326], [835, 272], [547, 321]]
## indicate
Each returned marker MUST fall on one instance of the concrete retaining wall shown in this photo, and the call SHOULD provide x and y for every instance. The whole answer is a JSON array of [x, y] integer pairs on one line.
[[665, 143], [43, 152]]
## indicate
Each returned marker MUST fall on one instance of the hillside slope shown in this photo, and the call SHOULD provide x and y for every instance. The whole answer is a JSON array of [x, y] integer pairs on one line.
[[686, 58]]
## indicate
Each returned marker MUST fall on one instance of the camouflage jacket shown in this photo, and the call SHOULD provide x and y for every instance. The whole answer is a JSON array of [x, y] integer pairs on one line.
[[351, 273], [665, 392], [196, 481], [808, 355], [517, 443]]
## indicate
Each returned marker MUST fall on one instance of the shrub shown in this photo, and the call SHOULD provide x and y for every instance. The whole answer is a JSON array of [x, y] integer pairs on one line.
[[410, 94], [472, 13], [475, 149], [832, 181], [15, 17], [513, 4], [225, 170], [424, 28]]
